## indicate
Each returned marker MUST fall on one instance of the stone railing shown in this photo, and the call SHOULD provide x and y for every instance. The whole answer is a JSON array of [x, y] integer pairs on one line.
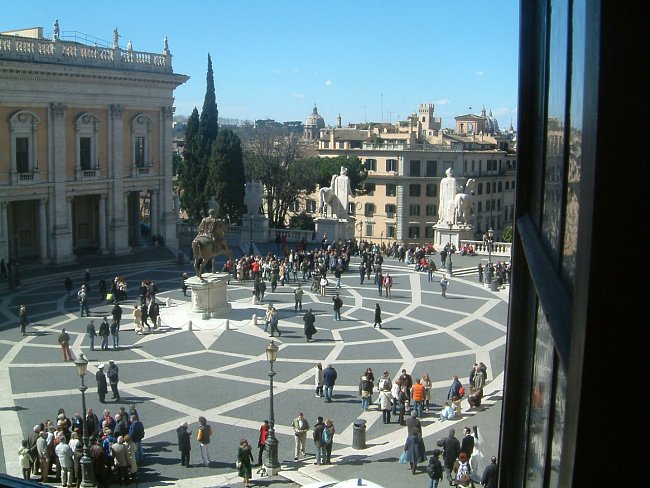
[[66, 52], [292, 235], [25, 178], [498, 248], [405, 146]]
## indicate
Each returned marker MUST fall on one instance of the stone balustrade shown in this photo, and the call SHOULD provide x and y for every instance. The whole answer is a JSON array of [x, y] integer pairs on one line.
[[498, 248], [66, 52]]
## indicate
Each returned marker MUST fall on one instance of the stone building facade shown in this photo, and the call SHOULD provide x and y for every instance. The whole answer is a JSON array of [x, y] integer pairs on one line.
[[85, 145]]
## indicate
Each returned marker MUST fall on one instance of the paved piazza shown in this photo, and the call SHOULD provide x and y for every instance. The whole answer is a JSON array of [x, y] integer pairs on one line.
[[175, 375]]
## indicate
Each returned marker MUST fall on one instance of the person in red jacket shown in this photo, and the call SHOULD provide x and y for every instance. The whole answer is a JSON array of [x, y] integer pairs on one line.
[[261, 443]]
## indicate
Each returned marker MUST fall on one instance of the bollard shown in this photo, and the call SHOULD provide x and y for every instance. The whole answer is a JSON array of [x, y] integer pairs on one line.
[[227, 324], [189, 325], [158, 322], [168, 302], [359, 434], [254, 319]]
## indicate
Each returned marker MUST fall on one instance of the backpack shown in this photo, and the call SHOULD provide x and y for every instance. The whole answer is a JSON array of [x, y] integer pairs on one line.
[[327, 436], [434, 469], [366, 385], [461, 391]]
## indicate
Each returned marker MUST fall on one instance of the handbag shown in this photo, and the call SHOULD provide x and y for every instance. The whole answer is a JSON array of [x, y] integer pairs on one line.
[[403, 458], [238, 464]]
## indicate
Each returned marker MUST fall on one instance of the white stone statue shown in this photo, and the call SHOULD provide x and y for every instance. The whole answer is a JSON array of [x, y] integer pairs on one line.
[[253, 197], [166, 46], [336, 196], [57, 31], [463, 202], [116, 39], [448, 191]]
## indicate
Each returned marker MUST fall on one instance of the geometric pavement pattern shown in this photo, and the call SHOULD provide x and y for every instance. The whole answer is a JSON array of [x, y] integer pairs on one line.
[[175, 375]]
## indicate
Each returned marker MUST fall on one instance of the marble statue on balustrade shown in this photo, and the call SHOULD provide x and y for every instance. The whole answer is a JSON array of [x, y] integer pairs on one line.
[[463, 203], [253, 194], [57, 31], [448, 191], [335, 198], [116, 39]]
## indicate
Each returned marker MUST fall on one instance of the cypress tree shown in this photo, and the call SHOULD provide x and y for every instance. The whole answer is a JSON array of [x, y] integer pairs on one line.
[[192, 187], [209, 123]]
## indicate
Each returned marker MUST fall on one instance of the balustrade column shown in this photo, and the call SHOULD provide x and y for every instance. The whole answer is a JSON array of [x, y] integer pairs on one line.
[[42, 229], [102, 222]]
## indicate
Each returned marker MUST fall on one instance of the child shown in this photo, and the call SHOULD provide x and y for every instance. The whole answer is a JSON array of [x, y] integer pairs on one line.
[[25, 459]]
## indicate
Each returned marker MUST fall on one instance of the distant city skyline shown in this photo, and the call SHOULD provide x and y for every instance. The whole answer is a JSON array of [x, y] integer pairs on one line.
[[368, 61]]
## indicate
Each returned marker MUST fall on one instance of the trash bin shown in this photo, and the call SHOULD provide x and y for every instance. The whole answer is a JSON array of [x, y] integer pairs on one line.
[[494, 286], [359, 434]]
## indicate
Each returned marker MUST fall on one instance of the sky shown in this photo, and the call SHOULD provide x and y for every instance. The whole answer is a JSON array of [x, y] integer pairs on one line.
[[367, 60]]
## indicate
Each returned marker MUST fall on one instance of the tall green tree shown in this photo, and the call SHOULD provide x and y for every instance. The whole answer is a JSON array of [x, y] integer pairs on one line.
[[192, 188], [332, 166], [226, 175], [209, 123]]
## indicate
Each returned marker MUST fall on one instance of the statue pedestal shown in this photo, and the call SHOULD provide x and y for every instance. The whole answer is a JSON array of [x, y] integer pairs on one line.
[[255, 228], [334, 228], [209, 295], [443, 235]]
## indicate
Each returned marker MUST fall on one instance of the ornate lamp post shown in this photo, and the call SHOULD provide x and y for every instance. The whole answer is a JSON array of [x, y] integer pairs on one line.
[[86, 463], [450, 267], [490, 239], [272, 442]]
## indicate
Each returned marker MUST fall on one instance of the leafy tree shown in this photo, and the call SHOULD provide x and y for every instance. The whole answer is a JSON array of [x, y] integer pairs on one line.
[[507, 234], [274, 158], [226, 175], [331, 166], [302, 221]]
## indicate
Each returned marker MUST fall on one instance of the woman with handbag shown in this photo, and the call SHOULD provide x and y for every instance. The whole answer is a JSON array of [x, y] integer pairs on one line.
[[244, 460]]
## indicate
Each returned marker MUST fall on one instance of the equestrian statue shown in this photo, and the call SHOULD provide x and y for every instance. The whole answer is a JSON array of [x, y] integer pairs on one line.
[[210, 242]]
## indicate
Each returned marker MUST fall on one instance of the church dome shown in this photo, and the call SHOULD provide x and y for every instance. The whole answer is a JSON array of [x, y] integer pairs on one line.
[[491, 124], [315, 120]]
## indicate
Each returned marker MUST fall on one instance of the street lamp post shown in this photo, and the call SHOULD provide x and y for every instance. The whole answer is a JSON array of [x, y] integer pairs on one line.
[[86, 473], [490, 274], [272, 441], [450, 267]]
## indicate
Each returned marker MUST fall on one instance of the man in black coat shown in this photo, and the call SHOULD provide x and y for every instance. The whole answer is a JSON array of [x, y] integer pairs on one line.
[[467, 443], [490, 477], [451, 448], [309, 318], [114, 379], [117, 314], [413, 422], [184, 444], [102, 386]]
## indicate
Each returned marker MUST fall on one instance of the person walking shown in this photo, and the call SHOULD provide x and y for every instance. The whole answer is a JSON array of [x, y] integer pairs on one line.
[[274, 322], [318, 440], [120, 454], [116, 312], [244, 460], [137, 320], [154, 313], [337, 275], [104, 332], [385, 403], [418, 397], [298, 293], [91, 332], [434, 469], [184, 444], [64, 341], [444, 283], [379, 281], [267, 316], [102, 386], [25, 459], [113, 379], [414, 448], [323, 285], [467, 443], [329, 380], [451, 450], [184, 286], [490, 478], [310, 329], [115, 334], [377, 316], [82, 295], [328, 440], [427, 384], [144, 314], [318, 381], [388, 285], [203, 437], [261, 442], [338, 304], [136, 434], [365, 391], [22, 319], [300, 427]]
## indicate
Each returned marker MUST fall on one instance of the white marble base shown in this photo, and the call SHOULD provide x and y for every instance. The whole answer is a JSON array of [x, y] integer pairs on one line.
[[334, 228], [442, 235], [209, 295]]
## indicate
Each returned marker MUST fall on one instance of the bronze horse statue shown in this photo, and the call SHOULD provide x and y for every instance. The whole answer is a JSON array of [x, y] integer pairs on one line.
[[206, 247]]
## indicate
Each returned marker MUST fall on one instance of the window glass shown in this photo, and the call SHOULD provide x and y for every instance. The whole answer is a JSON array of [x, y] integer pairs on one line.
[[414, 190], [414, 210], [370, 164], [557, 429], [553, 177], [432, 168], [428, 232], [139, 151], [391, 190], [85, 152], [391, 231], [415, 167], [431, 210], [432, 190], [22, 154], [391, 165], [414, 232], [540, 403]]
